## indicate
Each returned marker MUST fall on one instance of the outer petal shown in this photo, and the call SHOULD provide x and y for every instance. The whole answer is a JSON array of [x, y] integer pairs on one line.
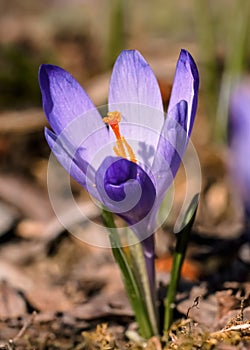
[[77, 167], [125, 189], [134, 92], [64, 157], [63, 98], [171, 147], [70, 111], [185, 87]]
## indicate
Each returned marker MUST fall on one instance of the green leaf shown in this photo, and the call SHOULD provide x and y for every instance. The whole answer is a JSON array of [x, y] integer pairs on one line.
[[178, 258]]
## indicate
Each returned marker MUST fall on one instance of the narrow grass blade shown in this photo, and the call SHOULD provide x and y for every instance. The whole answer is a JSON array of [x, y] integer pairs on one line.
[[178, 258]]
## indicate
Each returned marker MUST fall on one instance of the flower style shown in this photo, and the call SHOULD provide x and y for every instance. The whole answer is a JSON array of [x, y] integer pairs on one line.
[[128, 159], [239, 140]]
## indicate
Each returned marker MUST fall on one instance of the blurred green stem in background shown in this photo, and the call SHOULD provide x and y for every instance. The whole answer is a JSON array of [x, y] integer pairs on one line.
[[117, 31], [208, 57], [235, 62], [218, 77]]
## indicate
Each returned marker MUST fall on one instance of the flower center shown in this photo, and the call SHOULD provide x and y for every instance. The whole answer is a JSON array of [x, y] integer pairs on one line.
[[122, 148]]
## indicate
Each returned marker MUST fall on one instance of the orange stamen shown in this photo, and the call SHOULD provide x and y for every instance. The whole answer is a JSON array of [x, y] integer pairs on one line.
[[116, 129], [113, 119], [130, 151]]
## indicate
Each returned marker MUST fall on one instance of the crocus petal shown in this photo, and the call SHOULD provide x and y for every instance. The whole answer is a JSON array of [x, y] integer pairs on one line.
[[64, 158], [125, 189], [239, 113], [79, 169], [134, 91], [185, 87], [69, 110], [171, 147], [133, 81], [64, 99], [239, 141]]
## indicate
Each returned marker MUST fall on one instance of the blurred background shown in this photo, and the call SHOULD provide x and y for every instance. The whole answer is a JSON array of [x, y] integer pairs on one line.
[[85, 37]]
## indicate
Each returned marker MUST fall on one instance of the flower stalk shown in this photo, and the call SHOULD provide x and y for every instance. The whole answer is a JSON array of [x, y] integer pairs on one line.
[[134, 277]]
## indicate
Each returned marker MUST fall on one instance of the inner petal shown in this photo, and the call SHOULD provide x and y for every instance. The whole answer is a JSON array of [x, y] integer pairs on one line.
[[125, 189], [134, 90]]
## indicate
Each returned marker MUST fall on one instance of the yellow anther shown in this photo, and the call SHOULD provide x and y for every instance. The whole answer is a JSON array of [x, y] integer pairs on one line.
[[122, 148], [119, 148], [112, 117], [130, 151]]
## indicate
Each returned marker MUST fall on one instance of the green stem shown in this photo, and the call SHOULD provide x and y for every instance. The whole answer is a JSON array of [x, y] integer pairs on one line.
[[131, 284], [138, 266], [179, 255]]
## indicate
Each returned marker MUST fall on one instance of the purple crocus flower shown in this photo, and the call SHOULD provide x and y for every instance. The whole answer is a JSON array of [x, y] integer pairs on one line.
[[239, 140], [129, 165]]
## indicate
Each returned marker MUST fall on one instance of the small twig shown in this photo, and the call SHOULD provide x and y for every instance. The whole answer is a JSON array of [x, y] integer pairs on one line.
[[243, 329], [22, 331], [11, 345], [195, 304], [242, 306], [237, 327]]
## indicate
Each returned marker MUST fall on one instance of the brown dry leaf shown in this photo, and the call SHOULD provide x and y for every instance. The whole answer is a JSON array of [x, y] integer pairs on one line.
[[233, 302], [232, 315], [217, 199], [21, 253], [8, 218], [12, 303], [226, 302], [30, 200], [45, 298], [15, 276], [103, 306], [70, 216], [31, 229]]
